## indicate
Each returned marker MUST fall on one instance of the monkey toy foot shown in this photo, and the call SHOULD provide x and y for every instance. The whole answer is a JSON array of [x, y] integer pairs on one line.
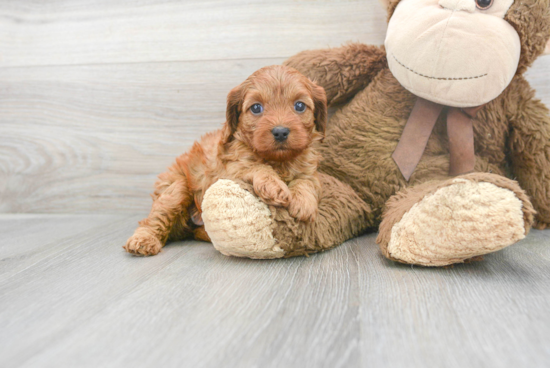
[[446, 222]]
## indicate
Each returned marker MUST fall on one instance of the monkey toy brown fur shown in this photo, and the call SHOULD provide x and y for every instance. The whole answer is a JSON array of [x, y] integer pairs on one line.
[[438, 132]]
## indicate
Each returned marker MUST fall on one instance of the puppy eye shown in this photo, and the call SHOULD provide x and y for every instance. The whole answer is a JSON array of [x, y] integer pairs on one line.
[[257, 109], [299, 106], [484, 4]]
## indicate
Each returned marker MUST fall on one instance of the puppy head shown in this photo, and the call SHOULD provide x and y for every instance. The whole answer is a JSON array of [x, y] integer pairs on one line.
[[277, 112]]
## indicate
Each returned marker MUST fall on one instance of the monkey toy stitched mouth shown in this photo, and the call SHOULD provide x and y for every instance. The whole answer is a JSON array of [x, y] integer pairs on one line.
[[438, 78], [456, 41]]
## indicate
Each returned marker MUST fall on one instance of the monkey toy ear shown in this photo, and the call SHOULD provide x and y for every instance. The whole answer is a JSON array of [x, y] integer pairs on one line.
[[389, 5], [547, 49]]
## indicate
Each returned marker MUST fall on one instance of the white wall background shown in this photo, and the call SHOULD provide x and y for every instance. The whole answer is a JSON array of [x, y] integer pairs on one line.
[[98, 97]]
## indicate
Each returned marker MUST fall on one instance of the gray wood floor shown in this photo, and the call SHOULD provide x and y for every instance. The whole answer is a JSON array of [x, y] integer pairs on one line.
[[97, 98], [70, 297]]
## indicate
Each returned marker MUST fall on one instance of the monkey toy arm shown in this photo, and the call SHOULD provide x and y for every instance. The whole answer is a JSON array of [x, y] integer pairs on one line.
[[530, 155], [341, 71]]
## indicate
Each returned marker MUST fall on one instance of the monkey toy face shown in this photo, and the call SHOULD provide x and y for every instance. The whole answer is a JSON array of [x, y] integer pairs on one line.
[[459, 53]]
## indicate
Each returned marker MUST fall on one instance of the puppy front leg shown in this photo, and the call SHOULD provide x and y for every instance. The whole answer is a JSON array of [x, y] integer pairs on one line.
[[269, 187], [304, 199], [152, 233]]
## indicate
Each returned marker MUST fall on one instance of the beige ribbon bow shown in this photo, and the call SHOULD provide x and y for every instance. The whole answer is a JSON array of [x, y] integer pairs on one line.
[[419, 127]]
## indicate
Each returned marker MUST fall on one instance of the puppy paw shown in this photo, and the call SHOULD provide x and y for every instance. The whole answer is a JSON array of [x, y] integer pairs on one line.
[[303, 209], [143, 244], [272, 190]]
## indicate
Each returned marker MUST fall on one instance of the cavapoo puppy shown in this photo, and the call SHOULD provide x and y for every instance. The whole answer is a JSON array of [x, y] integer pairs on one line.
[[273, 121]]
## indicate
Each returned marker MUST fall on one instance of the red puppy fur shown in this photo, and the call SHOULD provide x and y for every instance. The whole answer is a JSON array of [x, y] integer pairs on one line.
[[274, 120]]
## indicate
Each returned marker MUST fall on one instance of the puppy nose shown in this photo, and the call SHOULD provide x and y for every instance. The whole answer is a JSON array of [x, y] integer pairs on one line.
[[280, 133]]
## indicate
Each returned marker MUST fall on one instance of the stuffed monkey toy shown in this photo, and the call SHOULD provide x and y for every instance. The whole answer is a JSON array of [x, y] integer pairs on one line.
[[438, 140]]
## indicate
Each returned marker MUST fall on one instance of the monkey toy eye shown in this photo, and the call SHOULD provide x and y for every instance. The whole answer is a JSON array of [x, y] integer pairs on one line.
[[257, 109], [299, 106], [484, 4]]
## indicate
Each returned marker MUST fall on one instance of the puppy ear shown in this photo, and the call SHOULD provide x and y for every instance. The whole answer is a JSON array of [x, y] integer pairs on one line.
[[232, 113], [321, 110]]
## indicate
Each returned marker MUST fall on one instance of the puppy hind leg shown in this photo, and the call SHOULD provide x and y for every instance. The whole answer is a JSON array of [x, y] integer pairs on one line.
[[189, 225], [182, 229], [166, 219], [200, 234]]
